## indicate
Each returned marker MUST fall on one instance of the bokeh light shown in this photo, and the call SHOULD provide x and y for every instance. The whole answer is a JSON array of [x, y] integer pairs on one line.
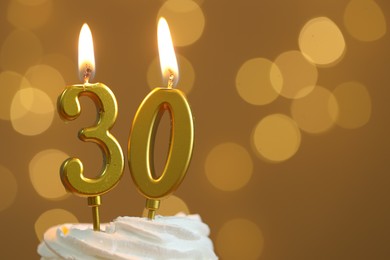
[[22, 101], [51, 218], [185, 19], [239, 239], [317, 112], [297, 72], [21, 14], [44, 171], [32, 111], [8, 187], [276, 138], [229, 166], [170, 207], [253, 81], [47, 79], [20, 50], [186, 74], [199, 2], [321, 41], [10, 83], [364, 20], [354, 103]]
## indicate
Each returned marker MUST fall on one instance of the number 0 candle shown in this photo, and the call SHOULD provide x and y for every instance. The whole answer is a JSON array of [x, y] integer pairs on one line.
[[141, 141], [69, 109]]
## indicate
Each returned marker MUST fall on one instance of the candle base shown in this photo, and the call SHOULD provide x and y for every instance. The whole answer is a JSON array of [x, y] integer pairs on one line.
[[152, 205], [95, 202]]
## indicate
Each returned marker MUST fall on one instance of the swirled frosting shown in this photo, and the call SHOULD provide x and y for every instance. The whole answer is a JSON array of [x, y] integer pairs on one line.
[[173, 237]]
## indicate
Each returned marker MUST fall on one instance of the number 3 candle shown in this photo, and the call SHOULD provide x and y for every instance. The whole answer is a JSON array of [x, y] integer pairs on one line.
[[141, 141], [69, 109]]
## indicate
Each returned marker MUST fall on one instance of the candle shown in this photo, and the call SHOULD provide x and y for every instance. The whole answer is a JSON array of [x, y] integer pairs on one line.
[[142, 135], [71, 171]]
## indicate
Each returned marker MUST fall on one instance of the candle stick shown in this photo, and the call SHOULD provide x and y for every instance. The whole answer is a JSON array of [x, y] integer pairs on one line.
[[69, 108], [143, 132]]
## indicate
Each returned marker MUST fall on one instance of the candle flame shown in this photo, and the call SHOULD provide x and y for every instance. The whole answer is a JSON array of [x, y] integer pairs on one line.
[[86, 54], [168, 62]]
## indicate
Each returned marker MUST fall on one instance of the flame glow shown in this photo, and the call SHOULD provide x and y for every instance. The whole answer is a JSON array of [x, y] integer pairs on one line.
[[166, 52], [86, 54]]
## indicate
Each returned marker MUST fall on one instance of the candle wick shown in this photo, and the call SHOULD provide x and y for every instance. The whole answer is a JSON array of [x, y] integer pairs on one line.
[[171, 79], [87, 74]]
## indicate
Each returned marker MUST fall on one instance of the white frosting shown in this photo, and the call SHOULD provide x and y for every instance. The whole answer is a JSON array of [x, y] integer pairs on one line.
[[174, 237]]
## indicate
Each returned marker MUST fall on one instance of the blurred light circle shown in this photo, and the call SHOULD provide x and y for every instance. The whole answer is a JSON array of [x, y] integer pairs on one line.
[[253, 82], [47, 79], [186, 74], [354, 103], [185, 19], [32, 111], [20, 50], [276, 138], [8, 187], [170, 207], [51, 218], [365, 20], [199, 2], [10, 83], [29, 14], [44, 169], [239, 239], [22, 101], [299, 76], [316, 112], [321, 41], [228, 166]]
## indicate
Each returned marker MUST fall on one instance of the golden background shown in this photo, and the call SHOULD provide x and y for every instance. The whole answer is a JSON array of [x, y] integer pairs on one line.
[[290, 104]]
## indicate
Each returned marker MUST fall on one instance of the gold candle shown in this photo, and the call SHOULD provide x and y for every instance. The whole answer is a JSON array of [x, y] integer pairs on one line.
[[141, 140], [69, 109]]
